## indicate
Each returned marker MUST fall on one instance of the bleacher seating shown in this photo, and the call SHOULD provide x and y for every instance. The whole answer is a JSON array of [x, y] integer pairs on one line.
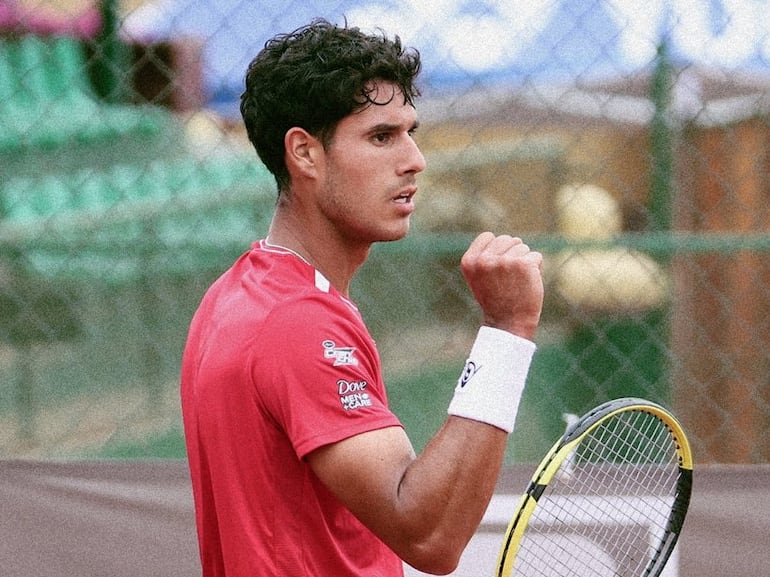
[[111, 179], [46, 100], [123, 212], [29, 199]]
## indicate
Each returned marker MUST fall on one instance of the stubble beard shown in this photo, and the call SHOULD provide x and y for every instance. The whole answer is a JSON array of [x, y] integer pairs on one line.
[[338, 210]]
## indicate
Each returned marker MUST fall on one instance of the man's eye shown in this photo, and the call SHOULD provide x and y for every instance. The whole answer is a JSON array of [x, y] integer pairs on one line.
[[382, 137]]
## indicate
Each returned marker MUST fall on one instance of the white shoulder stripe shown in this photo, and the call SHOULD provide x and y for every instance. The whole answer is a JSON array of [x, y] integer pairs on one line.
[[321, 282]]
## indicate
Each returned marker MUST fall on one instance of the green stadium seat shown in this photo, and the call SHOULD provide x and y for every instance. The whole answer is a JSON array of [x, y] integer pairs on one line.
[[106, 222], [46, 100], [94, 191]]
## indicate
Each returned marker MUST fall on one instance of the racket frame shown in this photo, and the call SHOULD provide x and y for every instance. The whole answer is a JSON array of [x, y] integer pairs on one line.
[[563, 447]]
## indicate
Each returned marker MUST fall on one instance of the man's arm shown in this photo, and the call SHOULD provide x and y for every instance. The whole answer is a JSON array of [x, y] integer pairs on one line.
[[427, 507]]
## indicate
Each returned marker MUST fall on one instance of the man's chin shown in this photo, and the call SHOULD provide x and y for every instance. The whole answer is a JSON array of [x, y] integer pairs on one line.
[[396, 235]]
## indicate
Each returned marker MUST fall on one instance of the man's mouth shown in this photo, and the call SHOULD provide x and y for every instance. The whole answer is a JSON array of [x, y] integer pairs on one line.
[[405, 197]]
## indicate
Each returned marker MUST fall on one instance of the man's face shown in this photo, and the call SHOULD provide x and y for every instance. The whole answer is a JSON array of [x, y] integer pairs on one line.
[[370, 168]]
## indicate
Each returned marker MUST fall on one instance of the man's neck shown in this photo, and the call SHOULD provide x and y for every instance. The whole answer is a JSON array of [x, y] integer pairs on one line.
[[322, 249]]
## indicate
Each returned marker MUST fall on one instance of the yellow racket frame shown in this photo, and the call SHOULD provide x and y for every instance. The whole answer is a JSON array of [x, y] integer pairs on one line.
[[562, 449]]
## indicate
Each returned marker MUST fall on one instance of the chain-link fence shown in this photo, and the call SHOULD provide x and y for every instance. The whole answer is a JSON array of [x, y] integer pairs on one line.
[[629, 143]]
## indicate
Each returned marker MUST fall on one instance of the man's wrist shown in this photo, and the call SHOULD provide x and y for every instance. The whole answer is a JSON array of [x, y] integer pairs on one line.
[[492, 383]]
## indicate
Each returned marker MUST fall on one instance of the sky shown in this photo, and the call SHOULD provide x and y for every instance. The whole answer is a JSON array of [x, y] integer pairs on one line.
[[466, 42]]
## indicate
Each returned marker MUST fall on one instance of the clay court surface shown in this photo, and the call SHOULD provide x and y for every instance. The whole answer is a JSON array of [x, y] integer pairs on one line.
[[135, 519]]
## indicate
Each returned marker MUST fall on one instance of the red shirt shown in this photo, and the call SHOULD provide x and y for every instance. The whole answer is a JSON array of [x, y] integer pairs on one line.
[[277, 364]]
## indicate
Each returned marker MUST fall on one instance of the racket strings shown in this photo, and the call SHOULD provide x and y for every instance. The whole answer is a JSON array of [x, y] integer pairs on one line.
[[636, 455], [616, 488]]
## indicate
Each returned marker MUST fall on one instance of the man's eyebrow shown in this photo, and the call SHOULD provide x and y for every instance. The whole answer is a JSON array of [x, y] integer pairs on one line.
[[384, 127], [388, 127]]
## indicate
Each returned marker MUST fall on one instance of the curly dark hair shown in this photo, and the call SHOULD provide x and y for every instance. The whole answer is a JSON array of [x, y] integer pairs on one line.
[[312, 78]]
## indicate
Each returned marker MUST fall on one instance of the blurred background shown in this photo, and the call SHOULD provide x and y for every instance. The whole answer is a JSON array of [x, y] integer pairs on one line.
[[629, 142]]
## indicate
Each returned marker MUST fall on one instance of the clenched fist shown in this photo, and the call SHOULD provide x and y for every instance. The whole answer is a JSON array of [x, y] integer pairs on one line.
[[506, 279]]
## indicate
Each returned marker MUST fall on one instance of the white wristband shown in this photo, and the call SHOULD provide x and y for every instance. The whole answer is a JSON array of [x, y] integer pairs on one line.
[[490, 387]]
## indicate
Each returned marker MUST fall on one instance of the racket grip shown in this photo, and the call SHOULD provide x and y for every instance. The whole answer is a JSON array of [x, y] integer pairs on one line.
[[492, 382]]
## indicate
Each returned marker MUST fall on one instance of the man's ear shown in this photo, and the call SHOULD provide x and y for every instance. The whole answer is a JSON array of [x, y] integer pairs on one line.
[[302, 152]]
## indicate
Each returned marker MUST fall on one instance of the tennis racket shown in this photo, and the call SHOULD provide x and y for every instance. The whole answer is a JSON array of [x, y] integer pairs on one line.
[[608, 500]]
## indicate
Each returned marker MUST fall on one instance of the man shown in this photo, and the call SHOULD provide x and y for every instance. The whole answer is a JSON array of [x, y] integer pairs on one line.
[[298, 466]]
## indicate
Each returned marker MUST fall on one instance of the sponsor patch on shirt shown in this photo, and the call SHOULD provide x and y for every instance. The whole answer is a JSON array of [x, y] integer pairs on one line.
[[353, 394], [341, 355]]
